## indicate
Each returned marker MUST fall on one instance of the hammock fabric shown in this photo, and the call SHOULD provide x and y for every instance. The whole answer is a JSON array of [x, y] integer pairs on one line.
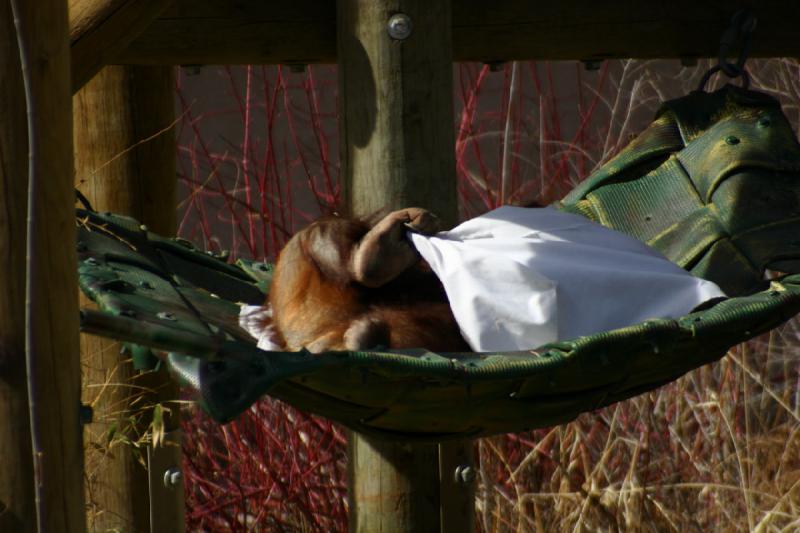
[[713, 183]]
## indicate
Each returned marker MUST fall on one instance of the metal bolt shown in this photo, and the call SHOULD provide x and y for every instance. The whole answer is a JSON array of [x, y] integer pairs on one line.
[[592, 64], [146, 285], [143, 227], [495, 66], [165, 315], [86, 413], [172, 477], [399, 26], [464, 474], [732, 139]]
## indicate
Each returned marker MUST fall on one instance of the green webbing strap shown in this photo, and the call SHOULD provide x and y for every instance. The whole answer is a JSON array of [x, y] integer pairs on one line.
[[713, 182], [417, 394]]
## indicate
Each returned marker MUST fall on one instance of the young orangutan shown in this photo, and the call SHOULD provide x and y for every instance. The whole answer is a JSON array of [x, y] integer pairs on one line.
[[349, 284]]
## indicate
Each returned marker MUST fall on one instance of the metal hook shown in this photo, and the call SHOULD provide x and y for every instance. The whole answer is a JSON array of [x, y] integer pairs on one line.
[[743, 23], [718, 68]]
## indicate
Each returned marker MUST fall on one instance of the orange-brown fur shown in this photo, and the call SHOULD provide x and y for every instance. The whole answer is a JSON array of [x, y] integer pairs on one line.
[[318, 304]]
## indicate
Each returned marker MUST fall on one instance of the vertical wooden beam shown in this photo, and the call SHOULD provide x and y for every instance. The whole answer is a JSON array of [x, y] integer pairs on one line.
[[17, 505], [125, 144], [394, 486], [125, 163], [397, 106], [52, 475], [396, 88], [457, 476]]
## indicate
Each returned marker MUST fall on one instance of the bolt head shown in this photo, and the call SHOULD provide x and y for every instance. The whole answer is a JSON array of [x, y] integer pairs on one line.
[[399, 26], [592, 64], [86, 413], [495, 66], [464, 474], [172, 477]]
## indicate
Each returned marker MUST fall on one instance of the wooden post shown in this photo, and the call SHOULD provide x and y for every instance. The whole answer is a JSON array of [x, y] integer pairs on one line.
[[125, 163], [125, 144], [396, 89], [101, 29], [397, 107], [43, 488], [17, 506]]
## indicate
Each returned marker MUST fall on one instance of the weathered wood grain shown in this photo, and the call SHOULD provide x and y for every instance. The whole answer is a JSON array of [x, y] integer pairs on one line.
[[17, 505], [52, 441], [101, 29], [397, 151], [304, 31], [396, 104], [125, 163]]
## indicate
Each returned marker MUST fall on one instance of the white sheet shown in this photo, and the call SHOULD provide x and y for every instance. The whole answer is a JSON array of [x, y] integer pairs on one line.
[[257, 321], [518, 278]]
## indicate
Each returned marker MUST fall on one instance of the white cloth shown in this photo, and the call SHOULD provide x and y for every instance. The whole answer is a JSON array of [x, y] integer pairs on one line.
[[518, 278], [257, 321]]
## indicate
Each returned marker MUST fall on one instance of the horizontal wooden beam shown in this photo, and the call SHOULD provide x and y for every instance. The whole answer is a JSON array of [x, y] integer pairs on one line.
[[304, 31], [101, 29]]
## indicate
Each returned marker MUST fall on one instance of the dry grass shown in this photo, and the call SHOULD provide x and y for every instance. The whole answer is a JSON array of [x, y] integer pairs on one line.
[[115, 443], [715, 450]]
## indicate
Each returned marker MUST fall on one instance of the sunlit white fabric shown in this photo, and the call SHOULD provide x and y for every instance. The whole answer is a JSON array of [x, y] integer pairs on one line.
[[518, 278], [257, 321]]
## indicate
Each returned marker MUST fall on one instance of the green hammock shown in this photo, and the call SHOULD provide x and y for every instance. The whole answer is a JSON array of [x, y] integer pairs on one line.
[[713, 183]]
